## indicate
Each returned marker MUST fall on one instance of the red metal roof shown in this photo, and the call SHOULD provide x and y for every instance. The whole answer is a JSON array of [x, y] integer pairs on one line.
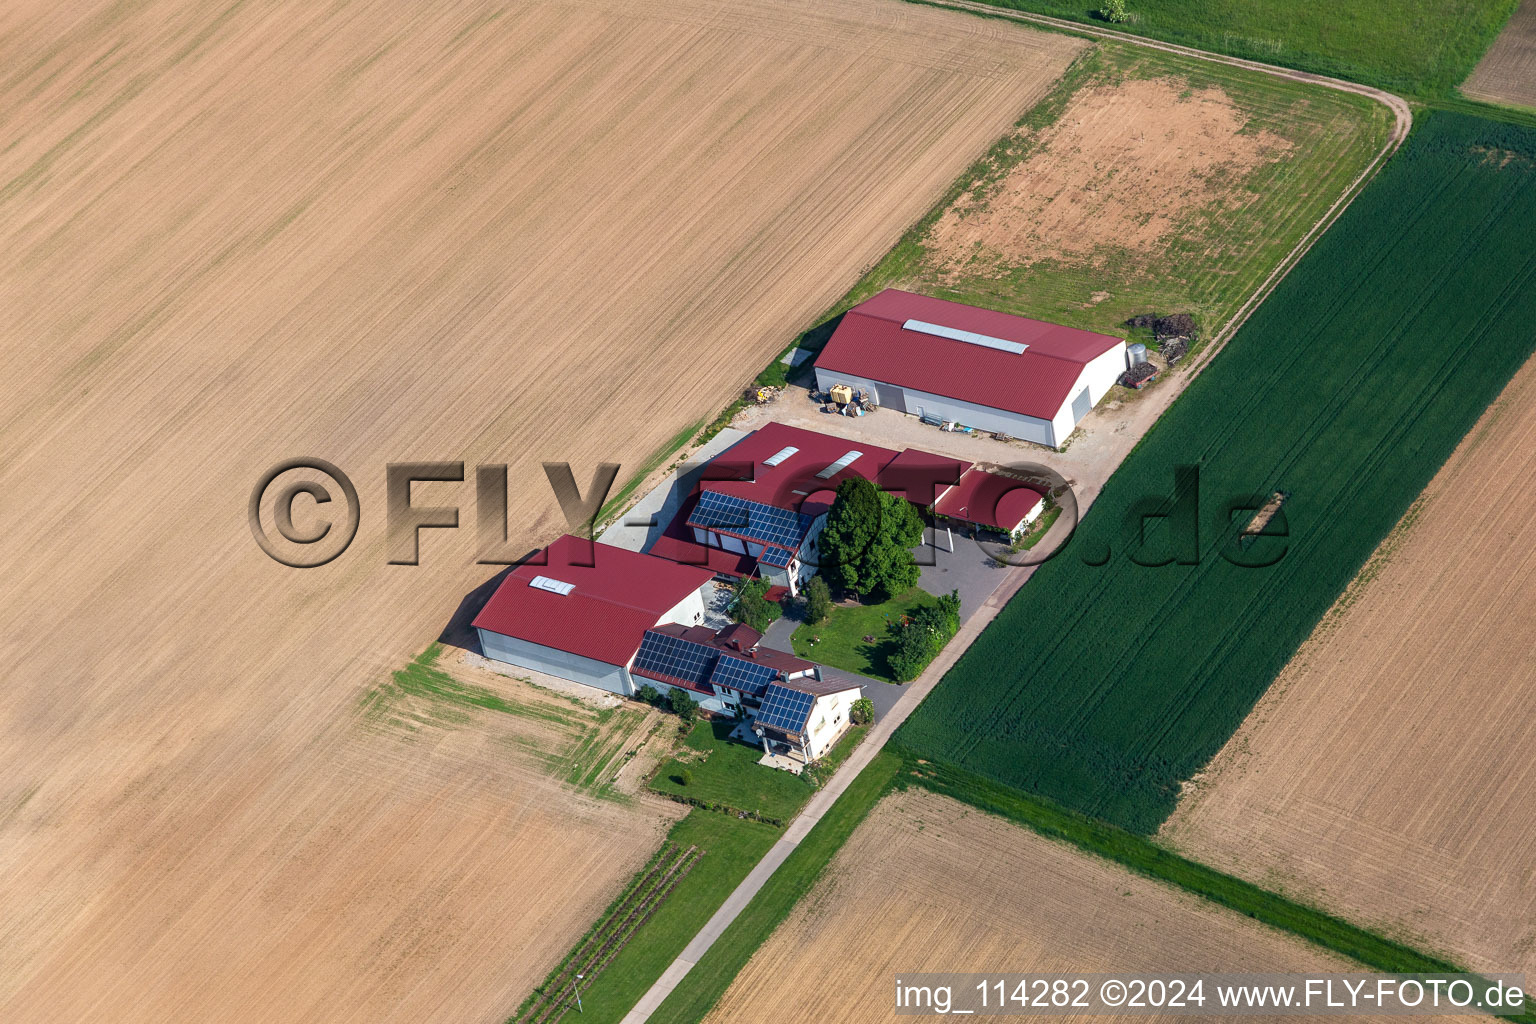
[[792, 481], [871, 342], [615, 596], [990, 500], [919, 476]]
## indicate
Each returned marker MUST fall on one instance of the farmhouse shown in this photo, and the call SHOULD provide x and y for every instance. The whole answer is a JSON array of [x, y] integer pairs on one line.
[[945, 361], [805, 716], [583, 612], [793, 708], [990, 501]]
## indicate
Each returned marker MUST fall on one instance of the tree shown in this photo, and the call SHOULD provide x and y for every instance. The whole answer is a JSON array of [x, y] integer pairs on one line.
[[682, 705], [686, 778], [818, 601], [866, 546], [753, 607], [649, 694], [862, 712], [1114, 11]]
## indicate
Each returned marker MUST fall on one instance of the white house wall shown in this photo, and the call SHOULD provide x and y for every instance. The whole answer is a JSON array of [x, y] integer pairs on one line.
[[564, 664], [921, 403], [689, 611], [829, 720]]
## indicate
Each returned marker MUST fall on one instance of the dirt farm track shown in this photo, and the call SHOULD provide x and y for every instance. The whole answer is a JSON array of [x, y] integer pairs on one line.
[[1387, 773], [376, 232]]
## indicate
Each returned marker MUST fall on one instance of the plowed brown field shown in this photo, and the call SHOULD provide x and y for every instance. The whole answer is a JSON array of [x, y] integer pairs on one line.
[[374, 232], [1507, 72], [1387, 775], [926, 884]]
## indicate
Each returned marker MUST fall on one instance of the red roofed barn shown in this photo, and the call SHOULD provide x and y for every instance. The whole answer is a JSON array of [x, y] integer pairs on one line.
[[583, 613], [993, 371]]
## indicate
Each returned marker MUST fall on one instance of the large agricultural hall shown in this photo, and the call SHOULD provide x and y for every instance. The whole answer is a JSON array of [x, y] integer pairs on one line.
[[946, 361]]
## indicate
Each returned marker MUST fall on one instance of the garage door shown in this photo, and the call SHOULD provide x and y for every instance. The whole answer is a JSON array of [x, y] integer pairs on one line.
[[1081, 406]]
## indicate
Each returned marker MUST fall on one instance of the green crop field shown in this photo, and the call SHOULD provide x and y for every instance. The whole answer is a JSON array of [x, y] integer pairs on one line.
[[1102, 687], [1419, 47]]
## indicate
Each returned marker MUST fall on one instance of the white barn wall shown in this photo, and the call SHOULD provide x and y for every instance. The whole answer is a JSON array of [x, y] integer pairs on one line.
[[564, 664], [919, 403], [1099, 375], [689, 611]]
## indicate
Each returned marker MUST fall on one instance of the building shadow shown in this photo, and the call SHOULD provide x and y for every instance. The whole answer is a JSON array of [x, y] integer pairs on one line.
[[458, 632]]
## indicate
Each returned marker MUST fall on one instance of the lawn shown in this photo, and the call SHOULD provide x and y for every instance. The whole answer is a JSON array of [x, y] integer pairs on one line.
[[727, 772], [1305, 145], [1418, 47], [842, 644], [1109, 680]]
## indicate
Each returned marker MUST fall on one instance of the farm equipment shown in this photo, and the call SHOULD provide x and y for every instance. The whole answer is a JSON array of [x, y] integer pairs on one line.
[[1139, 376]]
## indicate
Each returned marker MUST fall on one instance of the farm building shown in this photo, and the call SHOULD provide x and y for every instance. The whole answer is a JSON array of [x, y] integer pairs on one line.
[[804, 716], [992, 502], [582, 614], [945, 361], [725, 671], [764, 501]]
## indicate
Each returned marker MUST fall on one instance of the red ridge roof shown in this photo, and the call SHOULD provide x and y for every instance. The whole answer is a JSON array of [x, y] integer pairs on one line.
[[988, 499], [871, 342], [616, 595], [792, 481]]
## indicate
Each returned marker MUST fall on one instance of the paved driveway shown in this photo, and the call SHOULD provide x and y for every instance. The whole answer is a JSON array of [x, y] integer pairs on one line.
[[968, 569]]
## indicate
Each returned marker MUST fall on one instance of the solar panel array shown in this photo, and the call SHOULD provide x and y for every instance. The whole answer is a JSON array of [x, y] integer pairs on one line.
[[777, 557], [785, 709], [751, 519], [674, 658], [749, 677]]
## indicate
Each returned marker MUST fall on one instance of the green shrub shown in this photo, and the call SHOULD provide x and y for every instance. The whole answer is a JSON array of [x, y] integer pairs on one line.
[[919, 641], [686, 777], [818, 601], [1113, 11], [752, 606], [649, 694], [682, 705], [862, 712]]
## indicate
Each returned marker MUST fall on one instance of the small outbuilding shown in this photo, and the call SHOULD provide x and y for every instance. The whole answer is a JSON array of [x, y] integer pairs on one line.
[[992, 502], [949, 362]]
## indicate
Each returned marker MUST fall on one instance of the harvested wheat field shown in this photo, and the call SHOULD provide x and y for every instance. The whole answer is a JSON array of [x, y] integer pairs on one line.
[[926, 884], [376, 232], [1507, 72], [1387, 775]]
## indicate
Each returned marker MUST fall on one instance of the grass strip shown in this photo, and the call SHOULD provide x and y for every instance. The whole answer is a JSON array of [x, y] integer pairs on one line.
[[731, 847], [707, 982]]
